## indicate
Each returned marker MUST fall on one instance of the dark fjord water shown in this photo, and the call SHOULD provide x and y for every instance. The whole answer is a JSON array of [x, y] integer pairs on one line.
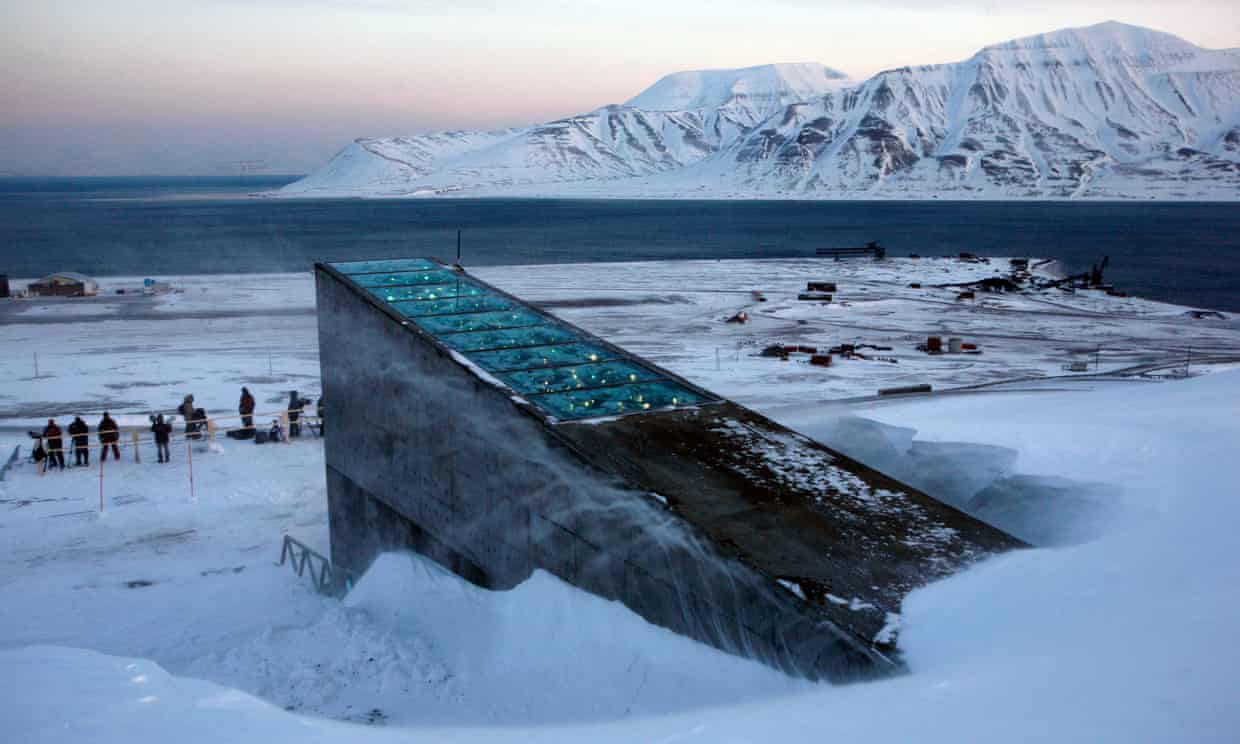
[[1187, 253]]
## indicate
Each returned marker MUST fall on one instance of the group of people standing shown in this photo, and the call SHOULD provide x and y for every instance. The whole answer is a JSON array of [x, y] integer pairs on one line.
[[297, 407], [79, 435], [51, 440]]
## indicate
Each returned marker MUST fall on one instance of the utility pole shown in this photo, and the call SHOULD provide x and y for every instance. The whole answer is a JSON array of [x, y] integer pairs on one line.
[[36, 365]]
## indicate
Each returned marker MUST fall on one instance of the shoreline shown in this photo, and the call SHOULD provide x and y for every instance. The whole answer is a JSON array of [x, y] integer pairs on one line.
[[110, 282], [216, 330]]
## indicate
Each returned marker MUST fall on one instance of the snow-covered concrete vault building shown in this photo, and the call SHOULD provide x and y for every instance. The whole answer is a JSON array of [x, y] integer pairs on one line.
[[497, 439]]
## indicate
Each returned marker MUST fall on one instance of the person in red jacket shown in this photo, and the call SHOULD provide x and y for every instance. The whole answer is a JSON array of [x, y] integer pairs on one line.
[[246, 409], [55, 445]]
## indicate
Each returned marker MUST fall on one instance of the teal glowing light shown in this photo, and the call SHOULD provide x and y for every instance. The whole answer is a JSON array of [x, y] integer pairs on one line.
[[558, 379], [617, 401], [503, 360], [406, 278], [532, 336], [560, 369], [453, 305], [460, 323], [458, 288], [385, 265]]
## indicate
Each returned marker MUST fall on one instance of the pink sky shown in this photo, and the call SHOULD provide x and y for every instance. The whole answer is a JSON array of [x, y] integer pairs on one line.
[[193, 86]]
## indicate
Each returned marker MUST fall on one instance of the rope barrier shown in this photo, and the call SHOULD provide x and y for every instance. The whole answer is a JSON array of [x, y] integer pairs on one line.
[[310, 420], [203, 430]]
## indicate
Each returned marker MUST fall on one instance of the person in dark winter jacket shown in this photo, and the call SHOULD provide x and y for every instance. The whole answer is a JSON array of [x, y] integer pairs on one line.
[[163, 434], [80, 433], [200, 423], [318, 410], [109, 435], [186, 409], [39, 454], [246, 409], [55, 445]]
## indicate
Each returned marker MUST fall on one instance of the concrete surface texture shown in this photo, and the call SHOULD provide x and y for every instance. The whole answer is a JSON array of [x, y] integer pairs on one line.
[[710, 520]]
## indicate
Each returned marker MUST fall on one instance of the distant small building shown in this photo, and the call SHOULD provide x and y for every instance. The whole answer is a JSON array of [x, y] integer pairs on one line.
[[64, 284]]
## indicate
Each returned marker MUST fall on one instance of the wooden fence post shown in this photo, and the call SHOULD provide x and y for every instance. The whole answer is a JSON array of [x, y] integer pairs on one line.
[[137, 456]]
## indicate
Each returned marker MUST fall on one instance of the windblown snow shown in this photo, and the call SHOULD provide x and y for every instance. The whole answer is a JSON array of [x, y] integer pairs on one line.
[[167, 618], [1107, 111]]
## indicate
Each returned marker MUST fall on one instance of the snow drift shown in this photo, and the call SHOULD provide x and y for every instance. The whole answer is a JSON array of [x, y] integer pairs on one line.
[[1125, 638], [420, 645]]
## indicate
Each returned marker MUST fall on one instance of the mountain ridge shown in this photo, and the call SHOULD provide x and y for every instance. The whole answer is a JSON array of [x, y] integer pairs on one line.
[[1103, 111]]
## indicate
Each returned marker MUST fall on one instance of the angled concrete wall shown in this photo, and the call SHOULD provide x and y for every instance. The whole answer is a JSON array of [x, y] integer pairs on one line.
[[426, 455]]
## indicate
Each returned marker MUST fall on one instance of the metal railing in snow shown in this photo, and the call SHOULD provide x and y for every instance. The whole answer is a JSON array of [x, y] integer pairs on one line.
[[12, 459], [327, 578]]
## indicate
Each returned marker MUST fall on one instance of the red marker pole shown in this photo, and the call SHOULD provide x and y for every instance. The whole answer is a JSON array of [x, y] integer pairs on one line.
[[189, 448]]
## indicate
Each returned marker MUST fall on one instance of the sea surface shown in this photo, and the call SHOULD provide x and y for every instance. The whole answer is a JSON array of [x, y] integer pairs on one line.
[[1188, 253]]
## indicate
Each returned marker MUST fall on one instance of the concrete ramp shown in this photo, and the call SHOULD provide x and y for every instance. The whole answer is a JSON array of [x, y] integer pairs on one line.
[[499, 440]]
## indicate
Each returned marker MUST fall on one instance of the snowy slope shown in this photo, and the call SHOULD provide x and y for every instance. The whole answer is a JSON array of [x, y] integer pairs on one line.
[[1109, 110], [1106, 111], [757, 92], [1122, 632], [1126, 638]]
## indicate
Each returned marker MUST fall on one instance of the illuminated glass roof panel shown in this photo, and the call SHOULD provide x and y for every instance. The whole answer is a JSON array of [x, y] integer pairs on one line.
[[563, 371], [458, 288], [532, 336], [385, 265], [481, 303], [616, 401], [541, 356], [405, 278], [516, 318], [559, 379]]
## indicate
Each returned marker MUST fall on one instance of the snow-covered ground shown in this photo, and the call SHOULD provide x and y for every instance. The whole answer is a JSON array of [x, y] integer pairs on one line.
[[136, 354], [163, 616], [139, 354]]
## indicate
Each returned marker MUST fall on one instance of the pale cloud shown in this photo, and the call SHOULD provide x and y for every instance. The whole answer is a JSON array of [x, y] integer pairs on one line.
[[297, 78]]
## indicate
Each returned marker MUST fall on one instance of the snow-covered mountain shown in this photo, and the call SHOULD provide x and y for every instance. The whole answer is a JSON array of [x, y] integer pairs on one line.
[[1106, 111], [750, 92]]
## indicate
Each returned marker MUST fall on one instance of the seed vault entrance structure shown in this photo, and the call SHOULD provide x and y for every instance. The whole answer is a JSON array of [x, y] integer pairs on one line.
[[498, 440]]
